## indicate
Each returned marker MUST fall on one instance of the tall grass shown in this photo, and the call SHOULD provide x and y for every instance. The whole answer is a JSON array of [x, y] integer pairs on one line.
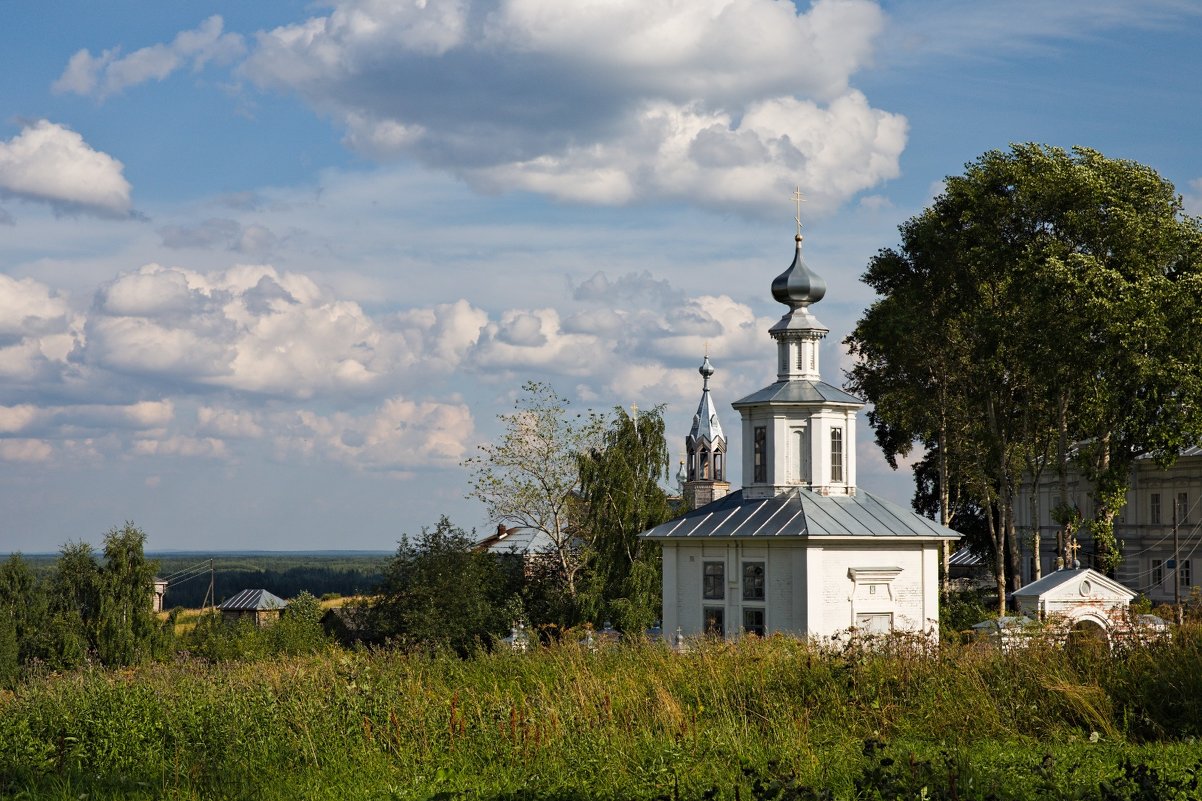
[[628, 721]]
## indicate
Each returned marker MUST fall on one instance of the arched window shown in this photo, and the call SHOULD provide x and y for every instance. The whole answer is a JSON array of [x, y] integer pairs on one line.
[[718, 465], [705, 464]]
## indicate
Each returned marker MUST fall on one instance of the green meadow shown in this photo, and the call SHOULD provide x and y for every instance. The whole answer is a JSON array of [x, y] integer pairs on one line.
[[774, 718]]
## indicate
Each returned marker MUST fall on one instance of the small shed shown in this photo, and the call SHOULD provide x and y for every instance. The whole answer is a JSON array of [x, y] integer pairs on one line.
[[1084, 600], [259, 606]]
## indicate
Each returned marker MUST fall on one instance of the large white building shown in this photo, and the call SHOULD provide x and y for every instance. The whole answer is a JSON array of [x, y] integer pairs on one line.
[[799, 548], [1151, 561]]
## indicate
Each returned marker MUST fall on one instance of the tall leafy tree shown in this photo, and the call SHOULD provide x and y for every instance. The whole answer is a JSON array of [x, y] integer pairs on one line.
[[530, 477], [1048, 283], [621, 496], [126, 629]]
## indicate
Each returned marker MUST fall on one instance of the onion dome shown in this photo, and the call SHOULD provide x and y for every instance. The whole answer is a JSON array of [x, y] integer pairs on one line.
[[798, 286], [706, 369]]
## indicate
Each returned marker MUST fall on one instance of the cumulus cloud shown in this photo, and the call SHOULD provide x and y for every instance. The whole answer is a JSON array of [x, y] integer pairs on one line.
[[110, 72], [50, 163], [397, 437], [257, 330], [719, 102]]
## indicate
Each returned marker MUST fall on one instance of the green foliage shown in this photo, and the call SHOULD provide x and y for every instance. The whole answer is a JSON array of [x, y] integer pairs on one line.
[[10, 655], [960, 610], [438, 591], [128, 632], [621, 497], [1045, 297], [530, 477], [772, 718]]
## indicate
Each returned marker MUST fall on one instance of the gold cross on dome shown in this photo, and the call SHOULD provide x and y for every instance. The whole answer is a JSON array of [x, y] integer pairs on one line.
[[798, 199]]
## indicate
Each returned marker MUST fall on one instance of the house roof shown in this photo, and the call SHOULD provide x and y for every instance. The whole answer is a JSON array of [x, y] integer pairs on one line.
[[800, 513], [799, 391], [966, 558], [1083, 582], [517, 541], [252, 601]]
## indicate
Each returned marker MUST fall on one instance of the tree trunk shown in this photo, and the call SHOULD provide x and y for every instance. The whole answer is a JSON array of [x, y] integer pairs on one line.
[[944, 503], [999, 548], [1062, 470]]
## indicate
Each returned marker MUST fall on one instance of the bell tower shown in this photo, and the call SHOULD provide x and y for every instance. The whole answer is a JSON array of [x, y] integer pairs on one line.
[[705, 449], [799, 432]]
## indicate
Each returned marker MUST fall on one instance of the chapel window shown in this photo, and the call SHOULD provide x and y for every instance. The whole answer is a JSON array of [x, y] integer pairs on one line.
[[713, 587], [718, 465], [760, 454], [836, 455], [753, 621], [753, 581], [715, 621]]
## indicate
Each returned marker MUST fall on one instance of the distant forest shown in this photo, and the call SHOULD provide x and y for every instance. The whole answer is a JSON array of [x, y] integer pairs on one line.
[[283, 574]]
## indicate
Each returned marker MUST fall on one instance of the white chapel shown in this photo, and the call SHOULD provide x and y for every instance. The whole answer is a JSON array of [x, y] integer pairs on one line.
[[799, 548]]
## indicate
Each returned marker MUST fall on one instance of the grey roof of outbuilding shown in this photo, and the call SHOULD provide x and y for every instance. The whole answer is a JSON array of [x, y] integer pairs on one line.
[[253, 601], [799, 391], [1059, 578], [800, 513], [523, 541], [966, 558]]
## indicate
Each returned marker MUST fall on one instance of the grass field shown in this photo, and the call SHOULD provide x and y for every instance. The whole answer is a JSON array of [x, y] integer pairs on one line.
[[761, 719]]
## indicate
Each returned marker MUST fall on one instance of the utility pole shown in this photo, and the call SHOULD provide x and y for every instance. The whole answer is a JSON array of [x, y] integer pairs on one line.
[[1176, 567]]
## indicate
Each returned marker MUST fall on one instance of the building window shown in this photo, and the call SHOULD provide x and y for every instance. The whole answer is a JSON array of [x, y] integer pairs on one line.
[[836, 455], [713, 581], [753, 581], [875, 622], [1154, 509], [1157, 572], [760, 454], [717, 465], [715, 621], [705, 464], [1183, 507], [692, 466], [1183, 576], [753, 621], [803, 457]]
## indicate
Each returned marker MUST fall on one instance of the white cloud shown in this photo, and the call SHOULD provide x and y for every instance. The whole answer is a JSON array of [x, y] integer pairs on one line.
[[49, 163], [25, 450], [397, 437], [110, 72], [257, 330], [719, 102], [228, 423]]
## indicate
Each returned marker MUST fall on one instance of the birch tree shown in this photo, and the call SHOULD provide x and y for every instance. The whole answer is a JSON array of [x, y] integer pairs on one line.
[[530, 477]]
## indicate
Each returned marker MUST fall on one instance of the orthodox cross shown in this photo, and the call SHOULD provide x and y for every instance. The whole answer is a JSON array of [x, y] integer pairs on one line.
[[798, 199], [1070, 550]]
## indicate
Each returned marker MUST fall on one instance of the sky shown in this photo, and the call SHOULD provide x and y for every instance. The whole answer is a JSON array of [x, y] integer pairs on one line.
[[270, 271]]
